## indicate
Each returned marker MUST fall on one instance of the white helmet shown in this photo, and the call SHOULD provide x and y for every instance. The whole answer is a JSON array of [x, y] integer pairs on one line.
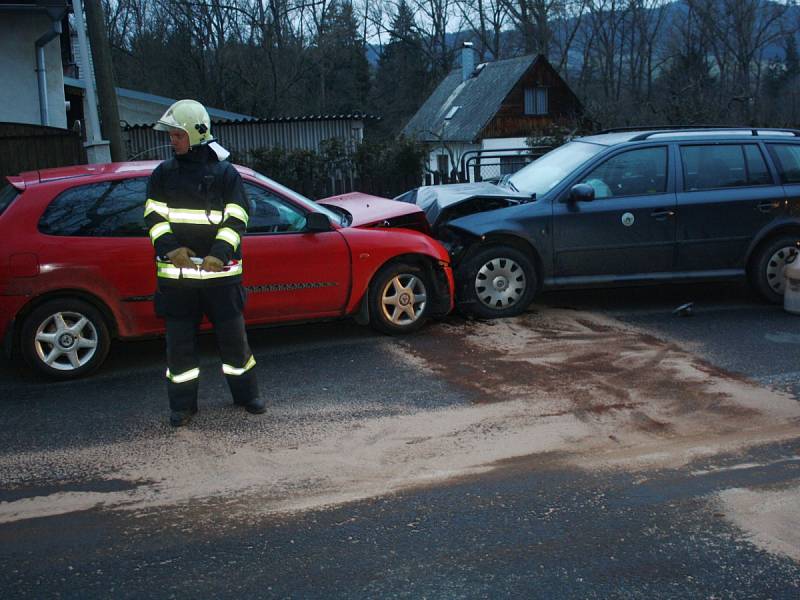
[[191, 117]]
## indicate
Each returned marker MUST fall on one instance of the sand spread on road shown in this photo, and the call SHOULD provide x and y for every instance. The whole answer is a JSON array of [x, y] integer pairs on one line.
[[770, 518], [550, 381]]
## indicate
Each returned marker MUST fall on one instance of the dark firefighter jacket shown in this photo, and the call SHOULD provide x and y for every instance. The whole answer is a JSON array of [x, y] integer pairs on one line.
[[196, 201]]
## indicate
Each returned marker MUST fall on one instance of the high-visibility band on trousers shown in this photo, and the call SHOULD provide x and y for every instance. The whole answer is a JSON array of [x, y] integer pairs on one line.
[[183, 377], [229, 370], [167, 270]]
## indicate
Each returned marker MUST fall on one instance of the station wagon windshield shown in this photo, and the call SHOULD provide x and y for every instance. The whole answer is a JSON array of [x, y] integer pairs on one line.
[[543, 174]]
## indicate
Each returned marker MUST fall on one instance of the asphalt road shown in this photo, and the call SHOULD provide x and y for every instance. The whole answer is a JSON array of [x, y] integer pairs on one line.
[[532, 527]]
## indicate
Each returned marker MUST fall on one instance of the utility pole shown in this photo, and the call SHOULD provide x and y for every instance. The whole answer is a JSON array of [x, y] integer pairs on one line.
[[104, 77]]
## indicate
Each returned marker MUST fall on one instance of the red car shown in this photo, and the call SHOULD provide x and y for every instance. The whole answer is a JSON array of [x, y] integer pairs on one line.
[[77, 269]]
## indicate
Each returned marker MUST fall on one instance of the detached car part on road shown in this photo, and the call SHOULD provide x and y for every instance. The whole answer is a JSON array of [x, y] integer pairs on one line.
[[77, 269], [624, 207]]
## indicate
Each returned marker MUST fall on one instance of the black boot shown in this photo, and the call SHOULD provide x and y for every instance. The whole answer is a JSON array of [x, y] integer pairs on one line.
[[179, 418], [256, 407]]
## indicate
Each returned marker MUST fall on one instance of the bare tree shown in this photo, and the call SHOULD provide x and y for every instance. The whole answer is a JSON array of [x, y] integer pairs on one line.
[[486, 19], [741, 31], [566, 26], [532, 19], [434, 23]]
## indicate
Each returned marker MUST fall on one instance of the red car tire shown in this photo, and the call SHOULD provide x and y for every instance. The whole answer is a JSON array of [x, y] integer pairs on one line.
[[398, 298], [65, 338]]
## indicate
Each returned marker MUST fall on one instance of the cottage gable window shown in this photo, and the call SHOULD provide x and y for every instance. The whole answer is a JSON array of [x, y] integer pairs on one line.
[[536, 101]]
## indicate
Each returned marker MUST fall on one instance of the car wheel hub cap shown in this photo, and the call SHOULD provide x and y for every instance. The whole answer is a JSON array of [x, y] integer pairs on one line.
[[500, 283], [66, 341], [403, 299], [775, 267]]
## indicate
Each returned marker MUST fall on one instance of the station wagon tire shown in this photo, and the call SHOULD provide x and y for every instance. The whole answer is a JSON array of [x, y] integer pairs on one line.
[[398, 298], [767, 267], [497, 282], [65, 339]]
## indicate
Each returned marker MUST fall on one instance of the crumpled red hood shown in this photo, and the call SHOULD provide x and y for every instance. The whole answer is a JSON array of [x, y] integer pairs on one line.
[[368, 210]]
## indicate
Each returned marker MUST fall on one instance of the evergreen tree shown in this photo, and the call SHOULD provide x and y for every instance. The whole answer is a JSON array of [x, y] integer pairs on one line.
[[402, 80], [342, 66]]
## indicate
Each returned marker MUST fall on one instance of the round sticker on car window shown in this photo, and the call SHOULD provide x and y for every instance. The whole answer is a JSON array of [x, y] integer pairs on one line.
[[628, 219]]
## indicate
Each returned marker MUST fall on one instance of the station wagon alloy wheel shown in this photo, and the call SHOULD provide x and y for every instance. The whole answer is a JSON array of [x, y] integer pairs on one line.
[[65, 338]]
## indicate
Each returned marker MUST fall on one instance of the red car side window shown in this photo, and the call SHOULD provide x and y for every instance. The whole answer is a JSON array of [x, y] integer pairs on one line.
[[270, 213], [105, 209]]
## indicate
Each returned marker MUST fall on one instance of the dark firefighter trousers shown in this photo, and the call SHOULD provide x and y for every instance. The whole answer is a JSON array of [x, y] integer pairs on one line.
[[183, 309]]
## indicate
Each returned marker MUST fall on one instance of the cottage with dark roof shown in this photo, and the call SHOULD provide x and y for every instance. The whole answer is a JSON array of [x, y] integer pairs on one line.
[[491, 107]]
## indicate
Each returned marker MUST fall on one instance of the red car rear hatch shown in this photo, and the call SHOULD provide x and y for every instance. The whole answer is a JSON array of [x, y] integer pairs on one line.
[[17, 182]]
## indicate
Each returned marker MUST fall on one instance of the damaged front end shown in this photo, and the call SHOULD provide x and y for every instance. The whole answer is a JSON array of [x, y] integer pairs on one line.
[[445, 205], [415, 222]]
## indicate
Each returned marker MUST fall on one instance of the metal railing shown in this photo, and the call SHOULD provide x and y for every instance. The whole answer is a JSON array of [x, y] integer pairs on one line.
[[489, 165]]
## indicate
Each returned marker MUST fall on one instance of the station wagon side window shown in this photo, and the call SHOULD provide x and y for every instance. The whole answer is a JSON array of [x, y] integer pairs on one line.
[[270, 213], [723, 166], [788, 156], [638, 172], [105, 209]]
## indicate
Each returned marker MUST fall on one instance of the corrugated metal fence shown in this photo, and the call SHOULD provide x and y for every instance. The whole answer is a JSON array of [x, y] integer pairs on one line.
[[243, 137], [31, 147]]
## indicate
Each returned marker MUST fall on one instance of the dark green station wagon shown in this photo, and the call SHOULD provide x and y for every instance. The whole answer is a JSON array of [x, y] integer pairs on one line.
[[625, 207]]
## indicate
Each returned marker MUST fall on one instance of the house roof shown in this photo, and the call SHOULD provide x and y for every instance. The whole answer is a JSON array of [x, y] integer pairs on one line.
[[304, 118], [56, 9], [216, 114], [478, 99]]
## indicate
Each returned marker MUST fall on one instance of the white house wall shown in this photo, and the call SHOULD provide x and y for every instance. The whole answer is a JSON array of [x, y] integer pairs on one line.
[[499, 144], [456, 151], [19, 102]]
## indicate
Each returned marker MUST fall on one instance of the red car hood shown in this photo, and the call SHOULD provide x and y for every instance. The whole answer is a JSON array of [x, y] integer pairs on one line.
[[368, 210]]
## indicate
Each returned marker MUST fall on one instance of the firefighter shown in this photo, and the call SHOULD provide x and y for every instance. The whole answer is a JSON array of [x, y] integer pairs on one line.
[[197, 212]]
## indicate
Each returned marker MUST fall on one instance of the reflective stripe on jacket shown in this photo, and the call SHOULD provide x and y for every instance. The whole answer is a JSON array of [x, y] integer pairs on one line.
[[197, 202]]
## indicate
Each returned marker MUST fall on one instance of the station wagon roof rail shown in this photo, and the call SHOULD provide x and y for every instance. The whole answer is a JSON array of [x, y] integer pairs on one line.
[[663, 128], [647, 132], [718, 131]]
